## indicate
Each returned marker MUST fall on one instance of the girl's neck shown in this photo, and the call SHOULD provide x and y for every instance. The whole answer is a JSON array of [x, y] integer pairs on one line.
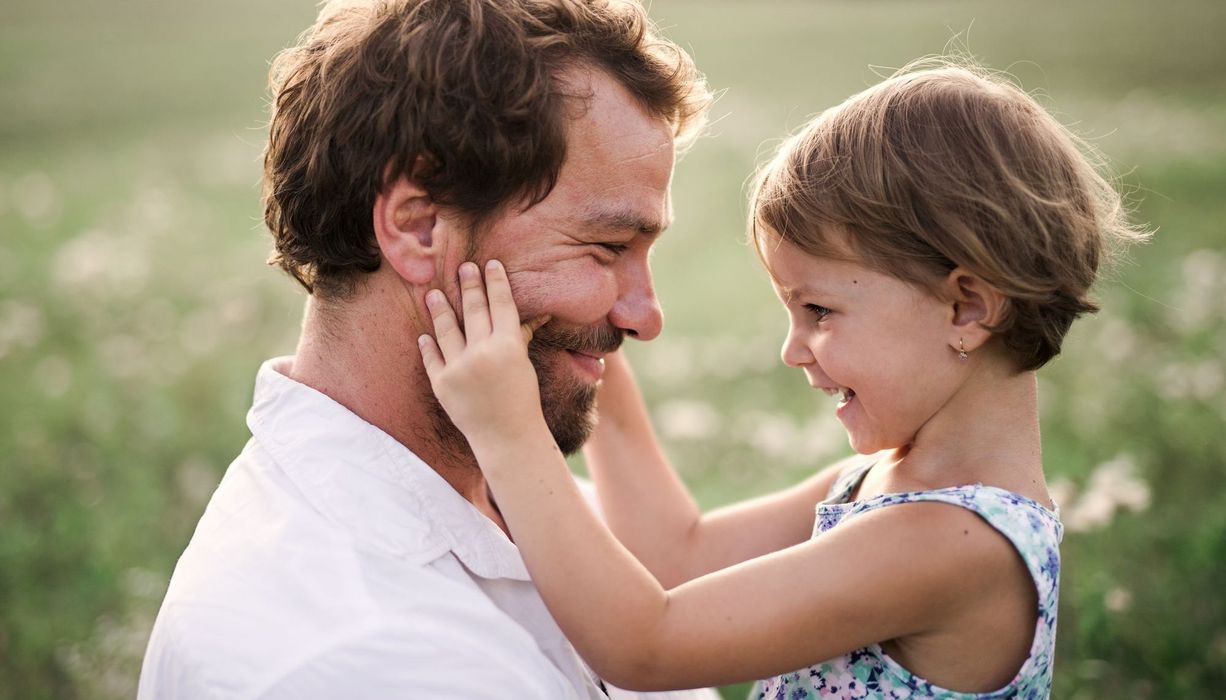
[[987, 433]]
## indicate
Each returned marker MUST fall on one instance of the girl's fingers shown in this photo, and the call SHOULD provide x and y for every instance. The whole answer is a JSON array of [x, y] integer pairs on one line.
[[472, 297], [431, 357], [446, 329], [530, 327], [503, 311]]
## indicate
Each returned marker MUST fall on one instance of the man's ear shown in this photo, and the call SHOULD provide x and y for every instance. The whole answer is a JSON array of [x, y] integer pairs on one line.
[[976, 307], [405, 220]]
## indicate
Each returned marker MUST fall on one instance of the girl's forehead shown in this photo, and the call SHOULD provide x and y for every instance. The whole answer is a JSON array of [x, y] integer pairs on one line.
[[790, 265], [824, 280]]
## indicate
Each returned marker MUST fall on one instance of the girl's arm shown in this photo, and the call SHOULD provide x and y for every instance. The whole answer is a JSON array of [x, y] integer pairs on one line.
[[650, 510], [889, 573]]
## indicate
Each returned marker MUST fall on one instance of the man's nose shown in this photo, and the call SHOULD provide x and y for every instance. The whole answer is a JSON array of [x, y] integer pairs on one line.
[[637, 310]]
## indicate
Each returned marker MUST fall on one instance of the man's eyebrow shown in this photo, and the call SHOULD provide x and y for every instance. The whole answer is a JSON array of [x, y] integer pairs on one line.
[[623, 220]]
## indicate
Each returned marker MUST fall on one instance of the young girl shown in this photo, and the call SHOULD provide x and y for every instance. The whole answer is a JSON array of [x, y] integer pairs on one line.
[[932, 239]]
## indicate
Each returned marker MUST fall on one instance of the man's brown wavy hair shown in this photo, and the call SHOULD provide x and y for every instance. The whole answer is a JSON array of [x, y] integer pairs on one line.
[[948, 165], [462, 95]]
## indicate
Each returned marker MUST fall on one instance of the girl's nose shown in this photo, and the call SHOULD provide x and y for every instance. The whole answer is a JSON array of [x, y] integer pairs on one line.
[[794, 352]]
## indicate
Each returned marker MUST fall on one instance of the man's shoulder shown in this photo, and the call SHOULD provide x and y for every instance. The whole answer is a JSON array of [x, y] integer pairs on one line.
[[272, 589], [319, 619], [263, 550], [443, 646]]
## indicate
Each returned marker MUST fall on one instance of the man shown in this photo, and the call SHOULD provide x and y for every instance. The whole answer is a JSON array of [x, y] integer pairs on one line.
[[353, 549]]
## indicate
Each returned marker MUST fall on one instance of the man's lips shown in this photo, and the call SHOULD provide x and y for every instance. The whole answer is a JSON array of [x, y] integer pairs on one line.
[[589, 364], [585, 346]]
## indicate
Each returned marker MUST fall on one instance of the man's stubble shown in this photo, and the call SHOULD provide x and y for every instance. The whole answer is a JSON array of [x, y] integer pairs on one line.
[[568, 405]]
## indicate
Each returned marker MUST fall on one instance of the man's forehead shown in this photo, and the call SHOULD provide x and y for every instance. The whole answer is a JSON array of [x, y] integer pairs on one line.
[[609, 121]]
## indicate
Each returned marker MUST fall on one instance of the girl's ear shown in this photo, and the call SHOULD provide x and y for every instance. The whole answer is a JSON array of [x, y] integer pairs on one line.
[[976, 307], [406, 230]]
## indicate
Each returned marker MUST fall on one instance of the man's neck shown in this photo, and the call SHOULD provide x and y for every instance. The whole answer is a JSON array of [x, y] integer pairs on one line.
[[364, 356]]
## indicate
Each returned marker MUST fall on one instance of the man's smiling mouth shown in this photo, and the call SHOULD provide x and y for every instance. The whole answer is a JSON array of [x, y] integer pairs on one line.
[[589, 364]]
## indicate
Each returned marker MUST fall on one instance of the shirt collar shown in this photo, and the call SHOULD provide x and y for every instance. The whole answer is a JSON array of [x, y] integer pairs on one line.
[[369, 484]]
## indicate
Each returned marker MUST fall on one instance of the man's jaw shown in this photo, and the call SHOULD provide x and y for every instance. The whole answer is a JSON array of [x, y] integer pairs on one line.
[[569, 364]]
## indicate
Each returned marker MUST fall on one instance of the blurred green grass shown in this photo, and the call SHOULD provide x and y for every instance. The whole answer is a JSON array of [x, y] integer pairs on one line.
[[134, 307]]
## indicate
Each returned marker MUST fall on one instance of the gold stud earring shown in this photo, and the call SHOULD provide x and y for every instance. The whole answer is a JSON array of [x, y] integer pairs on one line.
[[961, 351]]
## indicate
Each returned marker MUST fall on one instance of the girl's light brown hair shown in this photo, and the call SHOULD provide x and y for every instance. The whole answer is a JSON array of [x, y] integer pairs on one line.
[[946, 165]]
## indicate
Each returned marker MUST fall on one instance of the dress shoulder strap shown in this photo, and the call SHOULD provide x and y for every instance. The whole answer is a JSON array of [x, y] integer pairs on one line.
[[1034, 530], [848, 482]]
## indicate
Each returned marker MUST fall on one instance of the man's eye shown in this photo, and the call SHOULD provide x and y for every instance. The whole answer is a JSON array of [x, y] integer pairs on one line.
[[615, 248], [818, 310]]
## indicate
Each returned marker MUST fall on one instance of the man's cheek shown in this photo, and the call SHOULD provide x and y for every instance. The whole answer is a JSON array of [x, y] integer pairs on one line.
[[584, 297]]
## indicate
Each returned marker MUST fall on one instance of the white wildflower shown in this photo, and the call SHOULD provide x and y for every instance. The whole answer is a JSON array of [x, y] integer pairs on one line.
[[1112, 486], [123, 356], [1118, 478], [1062, 490], [773, 435], [1093, 511], [143, 583], [1174, 382], [721, 358], [98, 261], [1117, 342], [1207, 380], [1204, 281], [238, 310], [1118, 599], [668, 361], [683, 419], [821, 437]]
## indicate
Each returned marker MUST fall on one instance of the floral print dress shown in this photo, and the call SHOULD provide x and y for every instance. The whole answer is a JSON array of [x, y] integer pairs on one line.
[[869, 672]]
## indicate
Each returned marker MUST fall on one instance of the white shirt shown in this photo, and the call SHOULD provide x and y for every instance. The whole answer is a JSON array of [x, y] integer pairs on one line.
[[333, 563]]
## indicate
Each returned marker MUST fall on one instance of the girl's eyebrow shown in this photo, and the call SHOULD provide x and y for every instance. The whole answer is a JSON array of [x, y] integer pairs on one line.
[[806, 290]]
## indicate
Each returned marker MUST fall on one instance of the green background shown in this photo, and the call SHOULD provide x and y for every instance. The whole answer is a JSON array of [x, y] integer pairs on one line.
[[135, 308]]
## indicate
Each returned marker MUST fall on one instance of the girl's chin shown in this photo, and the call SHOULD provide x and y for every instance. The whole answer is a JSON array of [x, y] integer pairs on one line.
[[870, 444], [864, 449]]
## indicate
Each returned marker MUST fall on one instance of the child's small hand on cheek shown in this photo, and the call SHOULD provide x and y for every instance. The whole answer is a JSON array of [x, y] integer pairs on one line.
[[481, 373]]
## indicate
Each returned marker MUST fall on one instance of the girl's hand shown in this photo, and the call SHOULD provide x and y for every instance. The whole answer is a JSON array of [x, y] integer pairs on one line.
[[481, 375]]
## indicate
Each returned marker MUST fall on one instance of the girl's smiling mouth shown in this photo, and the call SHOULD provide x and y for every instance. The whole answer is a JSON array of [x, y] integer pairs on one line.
[[845, 393]]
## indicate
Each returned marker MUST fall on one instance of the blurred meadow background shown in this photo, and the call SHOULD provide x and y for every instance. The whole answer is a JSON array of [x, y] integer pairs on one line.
[[135, 306]]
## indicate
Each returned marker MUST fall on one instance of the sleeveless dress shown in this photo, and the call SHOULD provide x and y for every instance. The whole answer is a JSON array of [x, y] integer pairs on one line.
[[869, 672]]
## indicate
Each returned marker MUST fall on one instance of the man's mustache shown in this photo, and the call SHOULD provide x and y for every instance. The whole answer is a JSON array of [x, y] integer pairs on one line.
[[599, 340]]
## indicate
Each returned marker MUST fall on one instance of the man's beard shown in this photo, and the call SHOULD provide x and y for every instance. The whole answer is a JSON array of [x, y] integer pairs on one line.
[[569, 405]]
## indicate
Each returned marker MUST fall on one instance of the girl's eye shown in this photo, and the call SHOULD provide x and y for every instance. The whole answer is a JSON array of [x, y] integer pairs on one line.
[[818, 310]]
